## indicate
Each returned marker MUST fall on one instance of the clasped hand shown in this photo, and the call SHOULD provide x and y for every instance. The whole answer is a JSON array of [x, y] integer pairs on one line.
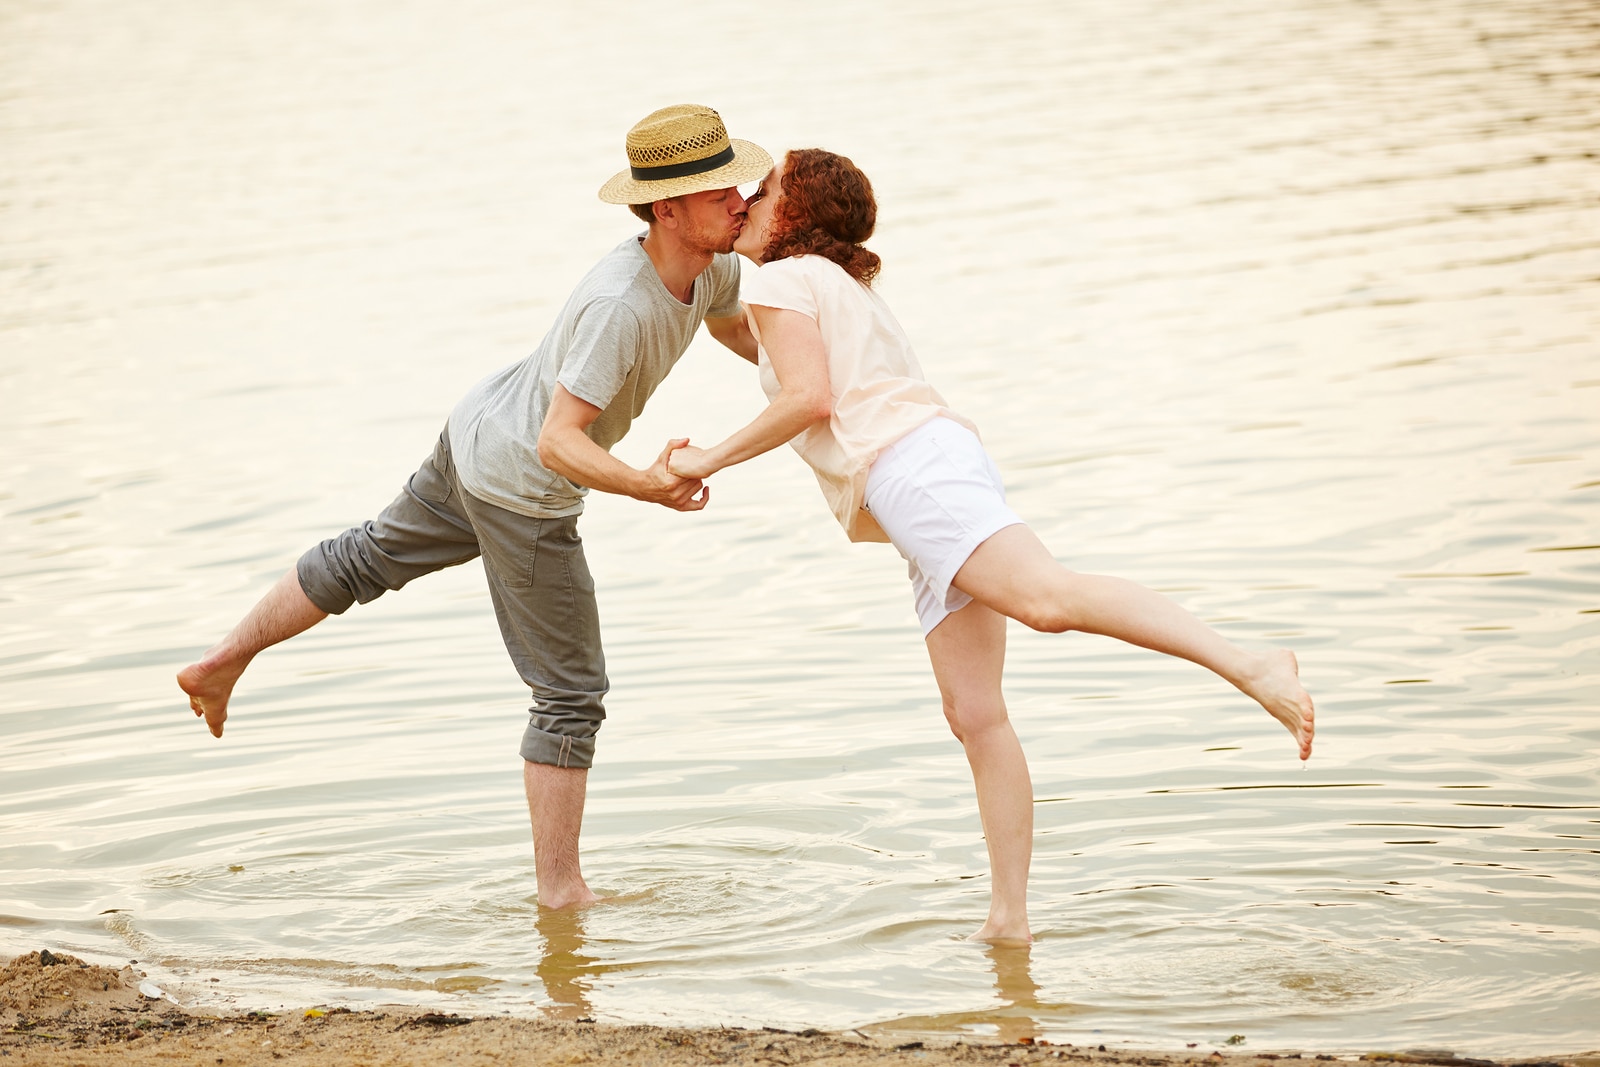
[[671, 489], [686, 461]]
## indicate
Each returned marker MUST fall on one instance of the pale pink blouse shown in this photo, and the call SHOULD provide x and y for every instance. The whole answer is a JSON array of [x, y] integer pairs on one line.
[[879, 393]]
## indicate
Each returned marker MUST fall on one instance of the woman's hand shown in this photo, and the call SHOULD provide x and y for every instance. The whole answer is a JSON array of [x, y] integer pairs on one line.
[[690, 462], [800, 363]]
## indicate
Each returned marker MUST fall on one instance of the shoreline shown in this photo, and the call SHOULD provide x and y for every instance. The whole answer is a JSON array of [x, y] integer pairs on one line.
[[55, 1009]]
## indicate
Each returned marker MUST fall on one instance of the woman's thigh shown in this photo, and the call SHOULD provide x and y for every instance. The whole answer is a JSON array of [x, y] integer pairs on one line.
[[938, 496], [968, 653], [1015, 574]]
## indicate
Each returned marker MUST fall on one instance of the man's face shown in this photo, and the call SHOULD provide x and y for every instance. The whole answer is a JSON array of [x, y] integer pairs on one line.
[[711, 220]]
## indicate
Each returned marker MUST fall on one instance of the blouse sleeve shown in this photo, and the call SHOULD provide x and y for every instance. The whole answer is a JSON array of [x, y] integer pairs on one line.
[[783, 283]]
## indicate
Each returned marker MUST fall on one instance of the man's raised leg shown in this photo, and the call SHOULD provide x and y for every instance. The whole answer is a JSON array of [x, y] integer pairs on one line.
[[555, 809], [421, 531], [278, 616]]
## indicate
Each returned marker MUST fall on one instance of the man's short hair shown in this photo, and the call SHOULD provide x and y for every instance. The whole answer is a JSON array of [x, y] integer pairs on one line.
[[646, 212]]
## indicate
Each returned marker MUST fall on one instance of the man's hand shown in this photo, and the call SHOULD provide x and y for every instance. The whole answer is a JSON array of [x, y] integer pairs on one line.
[[664, 487], [565, 448], [687, 461]]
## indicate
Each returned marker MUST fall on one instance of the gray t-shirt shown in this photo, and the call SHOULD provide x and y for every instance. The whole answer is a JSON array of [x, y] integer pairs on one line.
[[618, 336]]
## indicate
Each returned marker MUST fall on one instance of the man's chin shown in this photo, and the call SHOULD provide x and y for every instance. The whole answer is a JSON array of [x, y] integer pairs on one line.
[[722, 247]]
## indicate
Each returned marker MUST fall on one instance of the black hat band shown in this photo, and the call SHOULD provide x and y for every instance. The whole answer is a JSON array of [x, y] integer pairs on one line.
[[682, 170]]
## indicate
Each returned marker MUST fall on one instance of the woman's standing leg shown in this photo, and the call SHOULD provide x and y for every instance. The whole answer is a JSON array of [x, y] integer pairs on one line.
[[968, 651], [1013, 573]]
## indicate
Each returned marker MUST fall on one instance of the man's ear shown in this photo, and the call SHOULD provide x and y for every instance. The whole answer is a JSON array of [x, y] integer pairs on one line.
[[666, 212]]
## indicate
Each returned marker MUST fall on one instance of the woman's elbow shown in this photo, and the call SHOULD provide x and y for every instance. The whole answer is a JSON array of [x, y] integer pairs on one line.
[[820, 407]]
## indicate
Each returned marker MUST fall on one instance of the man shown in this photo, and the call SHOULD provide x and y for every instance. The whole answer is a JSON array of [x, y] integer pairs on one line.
[[507, 478]]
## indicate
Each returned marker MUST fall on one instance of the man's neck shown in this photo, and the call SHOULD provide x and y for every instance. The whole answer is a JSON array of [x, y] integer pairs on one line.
[[677, 266]]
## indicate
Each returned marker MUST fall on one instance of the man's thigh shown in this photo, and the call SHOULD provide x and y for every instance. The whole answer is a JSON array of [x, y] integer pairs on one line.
[[424, 529]]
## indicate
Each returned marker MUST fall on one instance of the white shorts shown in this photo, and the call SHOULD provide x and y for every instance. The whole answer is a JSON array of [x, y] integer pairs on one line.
[[938, 496]]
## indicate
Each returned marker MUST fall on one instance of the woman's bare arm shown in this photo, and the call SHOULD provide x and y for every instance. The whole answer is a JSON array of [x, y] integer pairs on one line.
[[794, 345], [567, 450]]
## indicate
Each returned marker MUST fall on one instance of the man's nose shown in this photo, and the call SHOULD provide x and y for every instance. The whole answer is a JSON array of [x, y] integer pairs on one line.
[[739, 205]]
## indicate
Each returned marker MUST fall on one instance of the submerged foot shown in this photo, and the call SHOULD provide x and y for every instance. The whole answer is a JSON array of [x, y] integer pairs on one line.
[[1274, 683], [570, 896], [996, 932], [209, 684]]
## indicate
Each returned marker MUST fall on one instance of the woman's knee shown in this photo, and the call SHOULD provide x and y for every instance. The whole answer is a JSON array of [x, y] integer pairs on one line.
[[1042, 598], [1050, 614], [970, 719]]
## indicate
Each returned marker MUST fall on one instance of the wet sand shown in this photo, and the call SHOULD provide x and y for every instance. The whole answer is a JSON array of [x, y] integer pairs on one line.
[[59, 1010]]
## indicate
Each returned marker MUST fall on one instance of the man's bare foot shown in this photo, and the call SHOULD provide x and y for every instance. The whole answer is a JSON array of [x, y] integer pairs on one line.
[[209, 684], [1273, 681], [278, 616], [570, 896]]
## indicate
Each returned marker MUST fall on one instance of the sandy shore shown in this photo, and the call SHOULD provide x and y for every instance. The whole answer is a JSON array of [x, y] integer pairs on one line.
[[58, 1010]]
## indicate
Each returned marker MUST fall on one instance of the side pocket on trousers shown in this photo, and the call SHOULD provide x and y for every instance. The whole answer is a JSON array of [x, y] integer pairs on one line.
[[512, 548]]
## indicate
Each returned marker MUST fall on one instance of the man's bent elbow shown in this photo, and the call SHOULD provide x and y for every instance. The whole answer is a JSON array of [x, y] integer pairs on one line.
[[549, 453]]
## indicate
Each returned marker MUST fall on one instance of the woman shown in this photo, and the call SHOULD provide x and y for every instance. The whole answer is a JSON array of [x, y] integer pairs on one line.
[[896, 464]]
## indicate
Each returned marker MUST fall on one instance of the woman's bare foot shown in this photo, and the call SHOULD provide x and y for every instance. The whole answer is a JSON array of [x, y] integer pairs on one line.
[[209, 684], [1002, 931], [1273, 681]]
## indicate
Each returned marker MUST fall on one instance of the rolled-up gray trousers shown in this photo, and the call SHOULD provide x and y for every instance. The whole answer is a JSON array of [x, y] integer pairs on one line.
[[539, 582]]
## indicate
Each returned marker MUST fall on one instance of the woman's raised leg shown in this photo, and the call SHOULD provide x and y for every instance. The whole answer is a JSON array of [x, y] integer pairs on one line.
[[968, 651], [1013, 573]]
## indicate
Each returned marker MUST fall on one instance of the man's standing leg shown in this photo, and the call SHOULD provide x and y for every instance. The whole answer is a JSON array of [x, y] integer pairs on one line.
[[543, 596], [555, 810]]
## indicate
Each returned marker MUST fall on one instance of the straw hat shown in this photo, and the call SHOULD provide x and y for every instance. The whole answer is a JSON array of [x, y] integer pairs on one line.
[[683, 149]]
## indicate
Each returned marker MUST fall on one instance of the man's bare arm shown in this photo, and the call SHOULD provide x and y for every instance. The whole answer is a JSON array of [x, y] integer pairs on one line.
[[735, 334], [567, 450]]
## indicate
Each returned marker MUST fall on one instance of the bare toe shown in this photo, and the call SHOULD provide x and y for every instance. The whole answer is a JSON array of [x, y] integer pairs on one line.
[[1275, 685]]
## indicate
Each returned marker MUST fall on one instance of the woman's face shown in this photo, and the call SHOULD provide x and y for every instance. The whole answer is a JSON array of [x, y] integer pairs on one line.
[[758, 222]]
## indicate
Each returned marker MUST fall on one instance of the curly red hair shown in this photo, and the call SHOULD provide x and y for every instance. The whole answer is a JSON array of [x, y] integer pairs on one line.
[[827, 209]]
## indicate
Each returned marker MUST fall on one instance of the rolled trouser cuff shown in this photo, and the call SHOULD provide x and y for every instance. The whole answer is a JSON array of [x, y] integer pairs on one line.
[[318, 579], [557, 750]]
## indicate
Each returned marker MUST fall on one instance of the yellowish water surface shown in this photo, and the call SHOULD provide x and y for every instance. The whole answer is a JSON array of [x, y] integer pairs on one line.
[[1288, 309]]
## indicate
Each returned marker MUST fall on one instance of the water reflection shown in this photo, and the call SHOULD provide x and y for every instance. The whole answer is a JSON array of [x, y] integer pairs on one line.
[[563, 967], [1018, 992], [1016, 1012], [1287, 309]]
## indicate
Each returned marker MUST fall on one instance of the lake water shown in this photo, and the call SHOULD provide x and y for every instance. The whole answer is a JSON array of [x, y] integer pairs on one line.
[[1287, 309]]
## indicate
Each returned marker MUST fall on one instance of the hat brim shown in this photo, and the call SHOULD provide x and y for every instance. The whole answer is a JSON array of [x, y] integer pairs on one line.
[[750, 163]]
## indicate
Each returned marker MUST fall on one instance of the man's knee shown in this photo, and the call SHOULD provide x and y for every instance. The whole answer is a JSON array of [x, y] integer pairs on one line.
[[326, 582], [353, 568]]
